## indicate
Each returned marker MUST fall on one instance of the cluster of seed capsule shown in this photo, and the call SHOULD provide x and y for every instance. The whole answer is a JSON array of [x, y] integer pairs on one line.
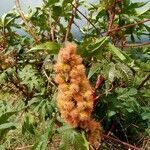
[[6, 61], [75, 99]]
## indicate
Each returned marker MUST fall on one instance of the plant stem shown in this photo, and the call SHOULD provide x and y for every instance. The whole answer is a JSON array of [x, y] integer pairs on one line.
[[137, 45], [86, 19], [28, 27], [106, 137], [129, 25], [144, 81], [74, 10], [111, 16]]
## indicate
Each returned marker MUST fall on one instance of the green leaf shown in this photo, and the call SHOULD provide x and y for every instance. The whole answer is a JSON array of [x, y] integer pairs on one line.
[[5, 127], [65, 2], [51, 2], [143, 11], [142, 65], [90, 48], [125, 72], [95, 67], [98, 44], [117, 52], [57, 11], [80, 143], [41, 144], [4, 117], [28, 125], [70, 137], [138, 4], [50, 47], [112, 73], [111, 113], [146, 115], [132, 91], [9, 125], [30, 77], [3, 77]]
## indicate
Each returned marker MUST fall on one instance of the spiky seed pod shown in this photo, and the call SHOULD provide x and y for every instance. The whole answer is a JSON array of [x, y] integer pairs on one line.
[[6, 61], [75, 99]]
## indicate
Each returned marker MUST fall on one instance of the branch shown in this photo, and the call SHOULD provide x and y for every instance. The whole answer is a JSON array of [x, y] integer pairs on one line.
[[100, 81], [111, 13], [28, 27], [24, 147], [78, 27], [87, 19], [129, 25], [106, 137], [74, 9], [144, 81], [137, 45]]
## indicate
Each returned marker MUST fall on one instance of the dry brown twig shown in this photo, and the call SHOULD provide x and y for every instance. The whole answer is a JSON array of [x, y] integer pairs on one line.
[[137, 45], [111, 16], [129, 25], [87, 19], [107, 137], [144, 81], [74, 10], [28, 27]]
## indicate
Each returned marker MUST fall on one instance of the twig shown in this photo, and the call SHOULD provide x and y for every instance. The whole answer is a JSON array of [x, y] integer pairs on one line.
[[48, 78], [86, 19], [28, 27], [78, 27], [99, 96], [21, 148], [17, 84], [144, 81], [106, 137], [129, 25], [102, 94], [74, 9], [112, 127], [99, 82], [111, 13], [136, 45]]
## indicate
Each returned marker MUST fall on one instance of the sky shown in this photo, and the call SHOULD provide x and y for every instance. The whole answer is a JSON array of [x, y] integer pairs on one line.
[[7, 5]]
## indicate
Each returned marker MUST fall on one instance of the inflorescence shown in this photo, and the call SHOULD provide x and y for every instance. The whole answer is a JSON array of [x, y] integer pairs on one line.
[[75, 99]]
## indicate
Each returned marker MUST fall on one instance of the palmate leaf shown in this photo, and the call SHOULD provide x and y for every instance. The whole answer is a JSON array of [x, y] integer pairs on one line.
[[7, 19], [120, 70], [142, 65], [95, 67], [42, 142], [50, 47], [70, 137], [138, 4], [126, 72], [98, 44], [6, 127], [117, 52], [90, 48], [31, 77], [9, 125], [28, 125], [4, 117], [127, 59]]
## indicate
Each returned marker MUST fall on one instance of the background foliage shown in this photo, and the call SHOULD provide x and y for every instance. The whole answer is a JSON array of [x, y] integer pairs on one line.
[[117, 67]]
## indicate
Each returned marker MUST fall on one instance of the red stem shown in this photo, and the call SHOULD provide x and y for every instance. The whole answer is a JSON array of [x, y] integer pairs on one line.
[[129, 25], [106, 137]]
